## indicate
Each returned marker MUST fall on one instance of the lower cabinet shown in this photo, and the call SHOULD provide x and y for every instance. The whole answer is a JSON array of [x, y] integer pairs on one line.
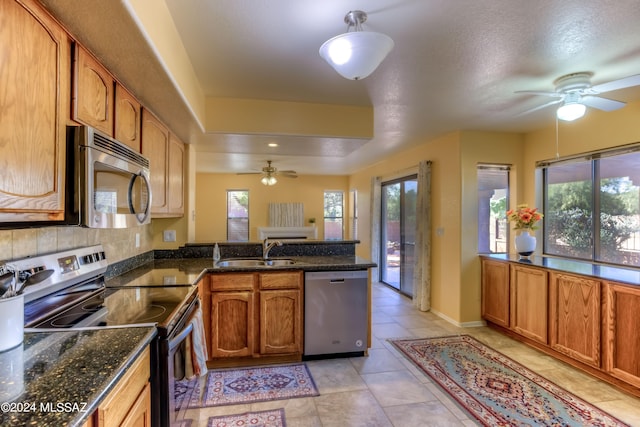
[[529, 293], [622, 332], [129, 403], [255, 314], [495, 292], [589, 322], [574, 313]]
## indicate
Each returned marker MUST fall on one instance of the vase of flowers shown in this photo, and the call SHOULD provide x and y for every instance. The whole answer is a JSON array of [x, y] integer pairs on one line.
[[524, 219]]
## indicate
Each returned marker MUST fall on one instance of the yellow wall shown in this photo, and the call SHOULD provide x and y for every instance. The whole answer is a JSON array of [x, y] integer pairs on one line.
[[481, 147], [211, 200]]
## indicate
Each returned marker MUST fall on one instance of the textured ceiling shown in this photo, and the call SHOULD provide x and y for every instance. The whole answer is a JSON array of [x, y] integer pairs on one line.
[[455, 66]]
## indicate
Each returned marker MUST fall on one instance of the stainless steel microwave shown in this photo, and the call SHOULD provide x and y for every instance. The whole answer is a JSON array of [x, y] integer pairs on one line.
[[108, 180]]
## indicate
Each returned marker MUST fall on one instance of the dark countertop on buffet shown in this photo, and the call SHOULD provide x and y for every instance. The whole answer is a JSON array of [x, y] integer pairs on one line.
[[59, 378], [188, 271], [624, 275]]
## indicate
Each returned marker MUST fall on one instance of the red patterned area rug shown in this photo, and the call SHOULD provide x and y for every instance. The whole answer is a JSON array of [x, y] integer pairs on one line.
[[255, 384], [272, 418], [495, 389]]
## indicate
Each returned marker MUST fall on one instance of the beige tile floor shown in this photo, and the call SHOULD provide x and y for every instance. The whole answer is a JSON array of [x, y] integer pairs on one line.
[[384, 389]]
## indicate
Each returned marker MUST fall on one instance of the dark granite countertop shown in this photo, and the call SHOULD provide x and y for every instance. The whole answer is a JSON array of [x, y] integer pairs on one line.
[[628, 276], [59, 378], [185, 271]]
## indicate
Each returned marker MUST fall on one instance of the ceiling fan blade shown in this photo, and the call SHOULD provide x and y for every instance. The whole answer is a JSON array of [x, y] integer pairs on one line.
[[540, 107], [293, 172], [603, 104], [249, 173], [542, 92], [616, 84]]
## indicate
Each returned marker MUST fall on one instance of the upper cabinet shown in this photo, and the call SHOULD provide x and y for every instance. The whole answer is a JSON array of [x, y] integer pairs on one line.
[[166, 157], [103, 103], [127, 118], [92, 92], [34, 106]]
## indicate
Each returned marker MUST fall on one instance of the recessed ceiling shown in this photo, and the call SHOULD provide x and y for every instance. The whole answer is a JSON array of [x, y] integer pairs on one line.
[[456, 66]]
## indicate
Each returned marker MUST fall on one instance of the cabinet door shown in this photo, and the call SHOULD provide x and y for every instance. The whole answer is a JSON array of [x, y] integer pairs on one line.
[[529, 302], [93, 93], [495, 292], [232, 324], [127, 119], [280, 322], [35, 74], [574, 313], [155, 146], [175, 174], [139, 414], [622, 332]]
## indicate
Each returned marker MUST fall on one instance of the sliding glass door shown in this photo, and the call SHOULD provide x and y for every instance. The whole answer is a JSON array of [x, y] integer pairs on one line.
[[398, 232]]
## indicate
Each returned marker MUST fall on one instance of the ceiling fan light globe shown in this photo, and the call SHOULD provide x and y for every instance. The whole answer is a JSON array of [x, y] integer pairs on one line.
[[570, 112], [356, 55], [265, 180]]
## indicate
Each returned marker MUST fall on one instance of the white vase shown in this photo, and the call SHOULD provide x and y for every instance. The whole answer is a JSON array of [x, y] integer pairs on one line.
[[525, 244]]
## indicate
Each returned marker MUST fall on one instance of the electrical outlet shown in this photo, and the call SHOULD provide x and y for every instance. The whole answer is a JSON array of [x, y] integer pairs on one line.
[[169, 236], [137, 240]]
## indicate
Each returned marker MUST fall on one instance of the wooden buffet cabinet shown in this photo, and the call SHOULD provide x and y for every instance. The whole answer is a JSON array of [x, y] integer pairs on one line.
[[253, 317], [591, 322]]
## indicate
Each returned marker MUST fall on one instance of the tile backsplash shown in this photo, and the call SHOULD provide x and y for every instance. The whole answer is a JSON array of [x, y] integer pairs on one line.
[[119, 244]]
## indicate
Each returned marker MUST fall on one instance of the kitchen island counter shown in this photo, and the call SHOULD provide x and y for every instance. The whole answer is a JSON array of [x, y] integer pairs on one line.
[[60, 378]]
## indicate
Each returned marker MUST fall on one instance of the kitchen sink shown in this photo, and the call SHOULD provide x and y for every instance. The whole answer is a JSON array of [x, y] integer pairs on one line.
[[254, 262]]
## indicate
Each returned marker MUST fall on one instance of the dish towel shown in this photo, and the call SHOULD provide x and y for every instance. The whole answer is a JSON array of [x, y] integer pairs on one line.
[[195, 361]]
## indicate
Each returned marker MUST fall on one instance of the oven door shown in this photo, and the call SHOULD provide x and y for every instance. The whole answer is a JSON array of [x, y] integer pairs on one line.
[[171, 352]]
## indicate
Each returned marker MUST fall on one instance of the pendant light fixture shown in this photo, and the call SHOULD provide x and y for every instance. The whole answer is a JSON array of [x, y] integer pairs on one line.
[[356, 54]]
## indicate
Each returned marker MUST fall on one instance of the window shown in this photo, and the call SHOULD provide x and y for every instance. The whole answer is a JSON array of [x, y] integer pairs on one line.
[[238, 215], [333, 215], [592, 207], [493, 191]]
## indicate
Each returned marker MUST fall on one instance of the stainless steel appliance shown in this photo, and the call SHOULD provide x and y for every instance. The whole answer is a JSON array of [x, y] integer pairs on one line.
[[108, 182], [74, 295], [335, 313]]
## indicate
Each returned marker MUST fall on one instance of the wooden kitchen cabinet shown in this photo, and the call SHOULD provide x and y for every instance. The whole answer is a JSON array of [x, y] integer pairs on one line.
[[574, 317], [35, 75], [495, 292], [257, 314], [232, 315], [529, 302], [166, 157], [127, 120], [93, 92], [622, 332], [129, 402], [281, 313]]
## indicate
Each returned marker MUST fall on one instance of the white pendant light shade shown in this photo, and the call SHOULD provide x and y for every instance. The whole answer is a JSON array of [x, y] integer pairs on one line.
[[357, 54], [571, 111]]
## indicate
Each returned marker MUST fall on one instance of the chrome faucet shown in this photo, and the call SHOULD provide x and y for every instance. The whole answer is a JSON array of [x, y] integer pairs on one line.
[[266, 247]]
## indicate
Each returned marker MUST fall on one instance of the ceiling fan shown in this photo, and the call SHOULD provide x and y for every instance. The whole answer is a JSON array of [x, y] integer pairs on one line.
[[269, 174], [576, 93]]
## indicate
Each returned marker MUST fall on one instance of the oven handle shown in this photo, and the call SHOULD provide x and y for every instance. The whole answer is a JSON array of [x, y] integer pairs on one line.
[[180, 337]]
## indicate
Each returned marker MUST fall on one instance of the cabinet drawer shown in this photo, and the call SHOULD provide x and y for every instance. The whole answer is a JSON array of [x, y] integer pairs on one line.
[[232, 282], [284, 280]]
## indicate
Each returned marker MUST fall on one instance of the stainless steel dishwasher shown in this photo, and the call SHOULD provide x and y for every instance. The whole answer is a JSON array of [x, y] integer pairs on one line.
[[335, 313]]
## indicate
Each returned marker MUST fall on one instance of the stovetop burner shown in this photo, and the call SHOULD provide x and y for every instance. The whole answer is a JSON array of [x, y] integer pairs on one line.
[[122, 306]]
